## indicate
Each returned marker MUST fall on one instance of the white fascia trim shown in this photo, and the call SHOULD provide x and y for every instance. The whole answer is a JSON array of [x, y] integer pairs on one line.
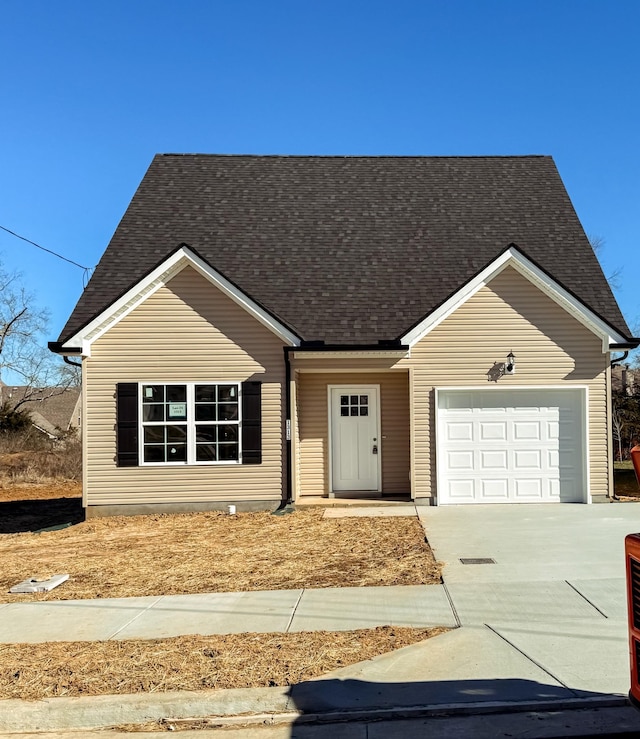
[[158, 278], [514, 258], [353, 354]]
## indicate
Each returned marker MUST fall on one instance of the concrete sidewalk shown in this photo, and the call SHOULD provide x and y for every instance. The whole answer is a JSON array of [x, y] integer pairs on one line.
[[542, 629], [328, 609]]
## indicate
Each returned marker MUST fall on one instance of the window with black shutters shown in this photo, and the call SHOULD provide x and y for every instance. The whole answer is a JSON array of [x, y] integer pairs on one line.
[[184, 423]]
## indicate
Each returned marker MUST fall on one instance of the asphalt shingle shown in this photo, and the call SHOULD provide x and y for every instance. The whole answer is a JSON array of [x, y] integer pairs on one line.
[[349, 250]]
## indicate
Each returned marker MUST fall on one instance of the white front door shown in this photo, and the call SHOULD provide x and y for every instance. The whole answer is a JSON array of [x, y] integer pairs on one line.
[[355, 437]]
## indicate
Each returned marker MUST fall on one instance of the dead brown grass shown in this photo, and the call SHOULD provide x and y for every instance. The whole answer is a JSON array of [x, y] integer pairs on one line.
[[36, 671], [20, 464], [215, 552]]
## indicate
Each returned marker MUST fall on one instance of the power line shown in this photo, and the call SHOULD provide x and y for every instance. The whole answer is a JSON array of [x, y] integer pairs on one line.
[[87, 270]]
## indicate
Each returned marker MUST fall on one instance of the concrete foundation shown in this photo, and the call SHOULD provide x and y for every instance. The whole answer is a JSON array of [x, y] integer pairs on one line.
[[135, 509]]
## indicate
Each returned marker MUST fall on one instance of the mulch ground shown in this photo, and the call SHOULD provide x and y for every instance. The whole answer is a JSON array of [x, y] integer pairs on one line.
[[36, 671], [202, 552], [195, 553]]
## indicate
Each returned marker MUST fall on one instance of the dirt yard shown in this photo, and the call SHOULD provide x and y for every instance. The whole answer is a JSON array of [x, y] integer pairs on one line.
[[194, 553], [626, 484], [35, 671], [200, 552]]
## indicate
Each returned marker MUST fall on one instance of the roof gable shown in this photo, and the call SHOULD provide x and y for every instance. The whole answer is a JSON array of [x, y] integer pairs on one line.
[[159, 277], [514, 258], [349, 250]]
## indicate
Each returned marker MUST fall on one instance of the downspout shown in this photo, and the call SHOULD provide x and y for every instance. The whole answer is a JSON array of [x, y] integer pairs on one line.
[[286, 506], [617, 360], [79, 364]]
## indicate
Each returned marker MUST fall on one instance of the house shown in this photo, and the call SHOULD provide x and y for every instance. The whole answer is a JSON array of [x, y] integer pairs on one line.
[[53, 411], [264, 329], [625, 380]]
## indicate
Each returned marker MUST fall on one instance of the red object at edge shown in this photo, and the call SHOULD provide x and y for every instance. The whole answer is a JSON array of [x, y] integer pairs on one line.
[[635, 458], [632, 564]]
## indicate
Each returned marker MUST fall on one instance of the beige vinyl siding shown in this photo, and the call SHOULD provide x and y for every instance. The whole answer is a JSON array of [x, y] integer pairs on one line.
[[187, 331], [313, 428], [551, 348]]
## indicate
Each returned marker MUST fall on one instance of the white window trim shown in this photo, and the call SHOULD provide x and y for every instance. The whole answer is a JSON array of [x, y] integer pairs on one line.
[[191, 424]]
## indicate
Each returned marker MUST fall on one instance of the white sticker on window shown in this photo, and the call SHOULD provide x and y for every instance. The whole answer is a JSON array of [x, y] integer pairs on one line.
[[177, 410], [148, 392]]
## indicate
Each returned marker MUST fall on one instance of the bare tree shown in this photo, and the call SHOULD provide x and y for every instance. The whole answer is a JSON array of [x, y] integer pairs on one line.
[[617, 421], [23, 352]]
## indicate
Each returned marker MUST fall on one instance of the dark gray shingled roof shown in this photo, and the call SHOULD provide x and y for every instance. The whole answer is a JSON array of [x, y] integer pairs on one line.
[[349, 249]]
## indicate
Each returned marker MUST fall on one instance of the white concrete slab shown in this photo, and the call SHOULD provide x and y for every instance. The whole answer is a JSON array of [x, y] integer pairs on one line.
[[583, 655], [69, 620], [467, 665], [531, 542], [341, 609], [380, 511], [609, 595], [214, 613], [535, 602]]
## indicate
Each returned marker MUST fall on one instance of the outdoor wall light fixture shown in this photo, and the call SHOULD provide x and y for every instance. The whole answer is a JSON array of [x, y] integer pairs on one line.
[[500, 369], [510, 364]]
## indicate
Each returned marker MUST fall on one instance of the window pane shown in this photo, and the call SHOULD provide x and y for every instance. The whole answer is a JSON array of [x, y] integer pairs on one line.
[[344, 411], [154, 434], [354, 410], [177, 453], [176, 411], [176, 434], [152, 393], [364, 410], [364, 399], [206, 433], [227, 411], [354, 400], [227, 393], [205, 412], [176, 394], [206, 453], [344, 400], [205, 393], [154, 453], [227, 452], [227, 433], [153, 412]]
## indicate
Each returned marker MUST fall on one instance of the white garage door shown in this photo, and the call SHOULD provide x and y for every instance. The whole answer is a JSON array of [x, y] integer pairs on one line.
[[511, 446]]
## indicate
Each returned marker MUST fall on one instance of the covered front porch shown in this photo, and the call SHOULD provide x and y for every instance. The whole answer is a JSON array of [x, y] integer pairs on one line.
[[352, 436]]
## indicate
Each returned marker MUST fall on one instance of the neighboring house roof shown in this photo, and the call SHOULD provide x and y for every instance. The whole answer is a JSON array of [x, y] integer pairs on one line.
[[57, 412], [349, 250]]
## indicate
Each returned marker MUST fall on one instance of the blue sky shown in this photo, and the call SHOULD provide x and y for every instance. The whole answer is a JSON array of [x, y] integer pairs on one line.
[[90, 92]]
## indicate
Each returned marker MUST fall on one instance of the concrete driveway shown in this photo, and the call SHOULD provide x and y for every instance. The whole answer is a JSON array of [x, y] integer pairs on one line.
[[556, 593]]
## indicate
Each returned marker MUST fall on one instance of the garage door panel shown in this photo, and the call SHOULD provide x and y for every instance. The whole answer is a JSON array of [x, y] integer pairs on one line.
[[460, 431], [533, 439], [462, 460], [496, 490], [494, 460], [529, 489], [460, 490], [493, 431], [527, 431], [530, 459]]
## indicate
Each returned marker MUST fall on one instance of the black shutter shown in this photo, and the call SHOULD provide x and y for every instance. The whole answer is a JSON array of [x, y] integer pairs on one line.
[[251, 423], [127, 424]]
